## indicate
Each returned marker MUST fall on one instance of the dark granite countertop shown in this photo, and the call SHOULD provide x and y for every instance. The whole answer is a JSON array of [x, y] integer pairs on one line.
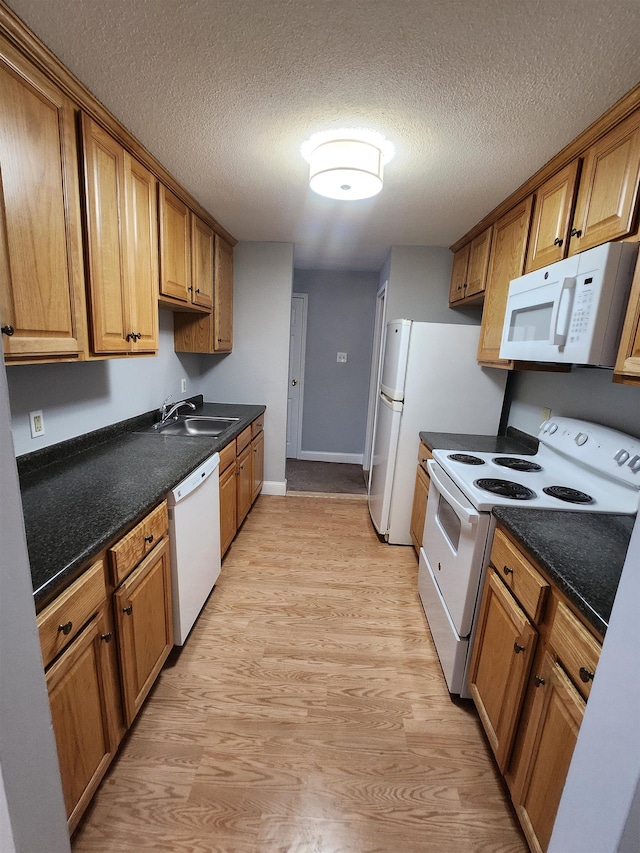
[[513, 442], [582, 553], [82, 494]]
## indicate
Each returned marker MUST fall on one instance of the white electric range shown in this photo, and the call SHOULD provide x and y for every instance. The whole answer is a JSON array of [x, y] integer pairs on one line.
[[579, 467]]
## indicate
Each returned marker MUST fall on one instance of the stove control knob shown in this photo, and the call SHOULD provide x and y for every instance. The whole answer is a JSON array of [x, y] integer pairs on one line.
[[553, 428], [621, 457], [581, 438], [634, 464]]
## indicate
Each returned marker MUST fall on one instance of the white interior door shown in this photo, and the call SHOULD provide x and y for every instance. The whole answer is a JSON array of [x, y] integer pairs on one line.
[[296, 373], [376, 367]]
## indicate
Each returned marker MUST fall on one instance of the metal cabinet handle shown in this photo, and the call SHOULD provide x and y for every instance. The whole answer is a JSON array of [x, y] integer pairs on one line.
[[558, 241], [538, 681], [106, 637], [576, 232], [507, 570], [128, 610], [7, 330], [65, 628], [294, 382], [149, 538], [585, 674], [517, 648], [197, 290]]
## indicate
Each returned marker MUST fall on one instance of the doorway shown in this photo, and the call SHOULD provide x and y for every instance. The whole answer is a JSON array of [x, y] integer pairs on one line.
[[297, 346]]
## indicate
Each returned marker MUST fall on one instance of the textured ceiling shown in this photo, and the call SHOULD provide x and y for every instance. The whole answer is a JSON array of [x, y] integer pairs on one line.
[[476, 95]]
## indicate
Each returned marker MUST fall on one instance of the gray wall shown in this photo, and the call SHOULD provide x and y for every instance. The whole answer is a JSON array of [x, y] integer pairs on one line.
[[419, 279], [28, 759], [586, 393], [341, 314], [77, 398], [257, 369]]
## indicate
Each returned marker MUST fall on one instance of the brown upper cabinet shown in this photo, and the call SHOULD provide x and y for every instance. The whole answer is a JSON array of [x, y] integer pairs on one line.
[[42, 304], [507, 259], [122, 246], [210, 333], [608, 191], [627, 367], [470, 267], [175, 247], [552, 218], [202, 251]]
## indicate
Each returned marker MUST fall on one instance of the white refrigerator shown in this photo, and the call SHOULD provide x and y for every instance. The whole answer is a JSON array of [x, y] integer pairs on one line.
[[431, 382]]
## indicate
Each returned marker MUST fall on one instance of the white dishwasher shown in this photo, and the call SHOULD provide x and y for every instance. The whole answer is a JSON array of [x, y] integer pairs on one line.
[[194, 528]]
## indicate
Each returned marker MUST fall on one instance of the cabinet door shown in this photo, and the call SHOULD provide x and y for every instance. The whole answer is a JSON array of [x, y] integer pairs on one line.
[[459, 273], [257, 464], [244, 485], [223, 310], [79, 712], [202, 251], [144, 623], [478, 263], [142, 253], [104, 173], [175, 246], [228, 514], [502, 654], [552, 732], [628, 362], [419, 509], [42, 306], [552, 218], [508, 253], [608, 193]]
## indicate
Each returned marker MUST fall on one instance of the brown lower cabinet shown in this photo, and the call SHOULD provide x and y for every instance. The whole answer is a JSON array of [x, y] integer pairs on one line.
[[420, 497], [241, 478], [531, 670], [104, 641]]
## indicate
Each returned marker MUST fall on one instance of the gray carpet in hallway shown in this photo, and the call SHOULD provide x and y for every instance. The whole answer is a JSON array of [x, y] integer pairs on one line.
[[329, 477]]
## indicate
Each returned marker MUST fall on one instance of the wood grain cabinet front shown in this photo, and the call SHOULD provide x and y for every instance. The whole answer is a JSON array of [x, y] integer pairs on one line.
[[42, 301], [241, 479], [122, 246], [507, 259], [420, 498], [530, 683], [552, 218], [144, 623], [627, 369], [469, 271]]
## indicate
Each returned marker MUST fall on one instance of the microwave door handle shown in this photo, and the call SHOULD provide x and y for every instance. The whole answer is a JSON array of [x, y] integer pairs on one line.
[[463, 512], [559, 337]]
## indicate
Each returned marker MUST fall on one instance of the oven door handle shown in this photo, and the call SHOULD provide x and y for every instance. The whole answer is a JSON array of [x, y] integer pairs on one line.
[[467, 514]]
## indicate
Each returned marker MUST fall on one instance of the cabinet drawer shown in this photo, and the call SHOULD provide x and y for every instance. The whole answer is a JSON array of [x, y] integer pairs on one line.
[[128, 552], [227, 455], [243, 439], [257, 426], [59, 623], [424, 455], [577, 650], [527, 584]]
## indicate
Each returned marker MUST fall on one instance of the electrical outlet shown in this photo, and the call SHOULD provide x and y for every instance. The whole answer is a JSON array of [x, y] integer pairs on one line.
[[36, 422], [342, 358], [183, 386], [546, 413]]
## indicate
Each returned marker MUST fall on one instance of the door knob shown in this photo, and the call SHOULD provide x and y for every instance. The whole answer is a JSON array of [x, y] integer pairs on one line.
[[294, 382]]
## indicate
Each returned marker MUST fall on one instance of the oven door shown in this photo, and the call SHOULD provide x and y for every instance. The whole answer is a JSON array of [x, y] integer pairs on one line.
[[455, 542]]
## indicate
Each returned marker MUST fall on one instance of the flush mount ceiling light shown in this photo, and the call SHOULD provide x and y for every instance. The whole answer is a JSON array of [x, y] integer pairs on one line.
[[347, 163]]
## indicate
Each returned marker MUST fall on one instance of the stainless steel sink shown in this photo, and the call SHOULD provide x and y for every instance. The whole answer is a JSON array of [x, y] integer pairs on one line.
[[196, 425]]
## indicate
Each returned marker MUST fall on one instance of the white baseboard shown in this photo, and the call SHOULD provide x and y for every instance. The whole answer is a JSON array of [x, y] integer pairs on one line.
[[321, 456], [274, 487]]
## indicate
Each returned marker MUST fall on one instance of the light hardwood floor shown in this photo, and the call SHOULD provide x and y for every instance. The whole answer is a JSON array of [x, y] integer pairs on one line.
[[307, 712]]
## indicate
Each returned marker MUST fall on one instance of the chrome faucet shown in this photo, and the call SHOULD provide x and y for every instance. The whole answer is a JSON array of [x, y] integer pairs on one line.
[[168, 412]]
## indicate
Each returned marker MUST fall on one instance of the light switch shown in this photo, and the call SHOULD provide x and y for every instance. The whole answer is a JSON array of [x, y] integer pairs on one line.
[[342, 358]]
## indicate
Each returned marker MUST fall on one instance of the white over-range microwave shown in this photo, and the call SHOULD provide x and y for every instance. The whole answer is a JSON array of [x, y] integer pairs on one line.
[[570, 312]]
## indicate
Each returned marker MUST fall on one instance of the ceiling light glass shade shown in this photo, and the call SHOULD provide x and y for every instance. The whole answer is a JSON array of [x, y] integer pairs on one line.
[[347, 164]]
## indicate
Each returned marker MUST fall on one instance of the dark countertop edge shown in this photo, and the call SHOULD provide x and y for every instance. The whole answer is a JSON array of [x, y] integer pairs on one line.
[[514, 441], [598, 621], [31, 464]]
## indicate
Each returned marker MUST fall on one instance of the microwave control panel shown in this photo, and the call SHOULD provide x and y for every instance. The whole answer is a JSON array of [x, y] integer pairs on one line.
[[581, 314]]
